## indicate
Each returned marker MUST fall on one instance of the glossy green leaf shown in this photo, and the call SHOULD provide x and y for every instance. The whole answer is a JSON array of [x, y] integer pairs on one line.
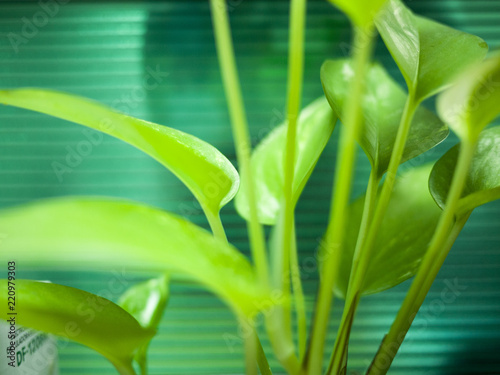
[[146, 302], [361, 12], [383, 105], [314, 128], [483, 179], [408, 226], [473, 101], [71, 233], [429, 54], [202, 168], [79, 316]]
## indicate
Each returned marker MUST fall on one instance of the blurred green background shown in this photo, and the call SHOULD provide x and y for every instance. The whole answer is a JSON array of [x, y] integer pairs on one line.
[[104, 49]]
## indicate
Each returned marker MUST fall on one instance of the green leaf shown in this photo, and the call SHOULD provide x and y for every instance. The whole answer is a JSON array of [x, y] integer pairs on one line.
[[201, 167], [146, 302], [361, 12], [79, 316], [408, 226], [383, 104], [76, 233], [429, 54], [473, 102], [483, 179], [314, 128]]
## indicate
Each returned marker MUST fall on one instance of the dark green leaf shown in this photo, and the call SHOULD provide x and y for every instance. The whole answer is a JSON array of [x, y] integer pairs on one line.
[[408, 226], [473, 102], [201, 167], [79, 316], [429, 54], [383, 105], [483, 179], [315, 125], [72, 233]]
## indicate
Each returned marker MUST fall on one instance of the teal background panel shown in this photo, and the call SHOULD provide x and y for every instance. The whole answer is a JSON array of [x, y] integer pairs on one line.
[[105, 49]]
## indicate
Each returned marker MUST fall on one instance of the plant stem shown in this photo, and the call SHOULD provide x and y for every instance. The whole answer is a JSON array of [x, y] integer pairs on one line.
[[439, 247], [363, 254], [295, 75], [340, 351], [278, 323], [367, 236], [363, 41], [300, 305], [123, 368], [250, 348], [141, 357], [216, 225], [369, 207], [337, 359], [240, 129], [261, 359]]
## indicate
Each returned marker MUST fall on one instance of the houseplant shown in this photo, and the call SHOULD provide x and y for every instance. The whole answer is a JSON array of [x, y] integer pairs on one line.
[[218, 184]]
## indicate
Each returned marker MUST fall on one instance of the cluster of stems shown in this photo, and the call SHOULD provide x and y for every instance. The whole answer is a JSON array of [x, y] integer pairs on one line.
[[307, 358]]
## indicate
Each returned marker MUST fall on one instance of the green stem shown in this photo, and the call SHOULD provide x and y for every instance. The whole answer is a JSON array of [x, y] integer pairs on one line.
[[368, 209], [240, 129], [216, 225], [439, 247], [251, 350], [281, 331], [338, 358], [363, 254], [300, 305], [141, 358], [340, 351], [295, 74], [123, 368], [262, 359], [367, 236], [277, 320], [363, 42]]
